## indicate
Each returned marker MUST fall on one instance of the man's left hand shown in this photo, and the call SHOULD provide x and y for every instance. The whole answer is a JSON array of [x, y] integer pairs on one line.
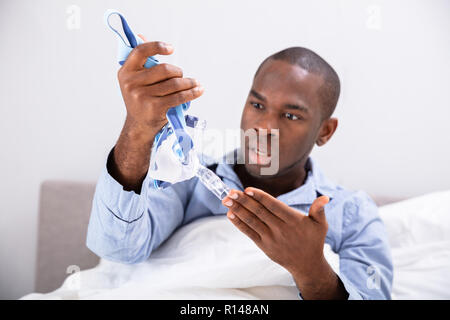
[[287, 236]]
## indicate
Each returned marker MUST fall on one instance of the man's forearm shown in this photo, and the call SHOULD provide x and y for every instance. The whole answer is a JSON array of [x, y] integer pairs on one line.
[[131, 156], [322, 283]]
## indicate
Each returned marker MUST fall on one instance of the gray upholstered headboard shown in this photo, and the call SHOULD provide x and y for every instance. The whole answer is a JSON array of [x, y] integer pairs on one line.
[[64, 212]]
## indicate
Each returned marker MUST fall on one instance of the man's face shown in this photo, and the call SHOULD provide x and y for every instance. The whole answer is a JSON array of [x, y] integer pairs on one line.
[[283, 97]]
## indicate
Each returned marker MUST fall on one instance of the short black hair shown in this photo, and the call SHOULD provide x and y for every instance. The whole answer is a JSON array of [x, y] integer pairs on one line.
[[313, 63]]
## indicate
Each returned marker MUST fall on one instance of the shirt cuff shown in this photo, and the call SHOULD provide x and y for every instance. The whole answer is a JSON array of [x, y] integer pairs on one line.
[[353, 294], [125, 205]]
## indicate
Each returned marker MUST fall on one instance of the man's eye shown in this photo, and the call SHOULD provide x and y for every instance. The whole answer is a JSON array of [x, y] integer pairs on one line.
[[290, 116], [257, 105]]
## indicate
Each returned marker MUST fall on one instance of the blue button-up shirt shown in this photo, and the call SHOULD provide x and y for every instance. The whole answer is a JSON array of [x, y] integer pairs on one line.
[[126, 227]]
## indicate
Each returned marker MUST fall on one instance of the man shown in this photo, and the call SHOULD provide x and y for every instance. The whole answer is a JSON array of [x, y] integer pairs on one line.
[[289, 214]]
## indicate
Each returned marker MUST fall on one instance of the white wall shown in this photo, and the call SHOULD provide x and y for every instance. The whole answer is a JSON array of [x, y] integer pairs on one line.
[[61, 110]]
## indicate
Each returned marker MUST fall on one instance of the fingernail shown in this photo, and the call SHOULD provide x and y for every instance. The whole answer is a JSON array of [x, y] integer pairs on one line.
[[228, 203], [250, 193], [233, 196], [200, 88], [231, 216]]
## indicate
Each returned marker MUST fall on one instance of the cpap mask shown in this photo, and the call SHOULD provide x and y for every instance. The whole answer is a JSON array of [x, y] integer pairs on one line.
[[173, 158]]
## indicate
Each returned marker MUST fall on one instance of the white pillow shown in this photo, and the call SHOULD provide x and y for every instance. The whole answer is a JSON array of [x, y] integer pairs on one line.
[[418, 220]]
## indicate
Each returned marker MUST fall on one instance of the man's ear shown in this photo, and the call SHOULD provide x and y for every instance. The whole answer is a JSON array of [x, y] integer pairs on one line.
[[327, 129]]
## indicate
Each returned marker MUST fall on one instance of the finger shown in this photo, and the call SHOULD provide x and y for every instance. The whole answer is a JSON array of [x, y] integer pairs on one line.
[[256, 208], [156, 74], [173, 85], [278, 208], [181, 97], [249, 232], [138, 56], [142, 37], [317, 209], [246, 216]]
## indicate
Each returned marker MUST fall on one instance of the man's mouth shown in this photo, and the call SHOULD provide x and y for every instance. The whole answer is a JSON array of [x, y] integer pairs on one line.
[[258, 156]]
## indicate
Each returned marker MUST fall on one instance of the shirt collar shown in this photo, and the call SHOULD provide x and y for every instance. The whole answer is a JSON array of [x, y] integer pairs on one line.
[[315, 185]]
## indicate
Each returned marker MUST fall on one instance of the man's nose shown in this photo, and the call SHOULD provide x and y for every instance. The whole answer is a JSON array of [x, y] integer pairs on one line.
[[267, 124], [266, 131]]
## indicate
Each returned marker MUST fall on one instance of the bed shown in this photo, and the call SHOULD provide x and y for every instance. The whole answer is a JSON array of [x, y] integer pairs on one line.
[[210, 259]]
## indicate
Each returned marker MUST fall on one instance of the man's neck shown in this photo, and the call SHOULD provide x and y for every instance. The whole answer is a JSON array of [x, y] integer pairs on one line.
[[276, 185]]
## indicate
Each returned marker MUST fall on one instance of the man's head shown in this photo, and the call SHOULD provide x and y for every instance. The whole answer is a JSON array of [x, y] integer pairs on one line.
[[296, 92]]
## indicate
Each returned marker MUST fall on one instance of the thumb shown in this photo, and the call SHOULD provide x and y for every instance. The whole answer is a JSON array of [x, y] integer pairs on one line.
[[317, 210]]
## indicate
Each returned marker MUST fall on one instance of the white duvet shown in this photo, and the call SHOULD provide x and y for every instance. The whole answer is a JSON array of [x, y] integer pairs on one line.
[[210, 259], [419, 236]]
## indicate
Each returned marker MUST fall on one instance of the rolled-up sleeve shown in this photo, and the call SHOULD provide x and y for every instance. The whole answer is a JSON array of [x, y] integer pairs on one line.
[[365, 262], [125, 226]]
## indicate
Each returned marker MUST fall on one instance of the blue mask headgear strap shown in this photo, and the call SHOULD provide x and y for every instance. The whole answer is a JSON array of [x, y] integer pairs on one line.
[[177, 121]]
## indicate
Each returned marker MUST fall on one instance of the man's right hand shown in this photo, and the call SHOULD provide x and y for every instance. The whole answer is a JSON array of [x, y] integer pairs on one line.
[[148, 93]]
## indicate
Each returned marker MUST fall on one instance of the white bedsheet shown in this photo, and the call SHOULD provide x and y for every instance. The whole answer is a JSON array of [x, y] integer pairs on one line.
[[210, 259]]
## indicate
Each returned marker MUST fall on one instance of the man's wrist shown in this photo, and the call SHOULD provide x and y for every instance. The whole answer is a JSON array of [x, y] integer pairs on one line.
[[316, 271], [129, 160], [319, 282], [139, 132]]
